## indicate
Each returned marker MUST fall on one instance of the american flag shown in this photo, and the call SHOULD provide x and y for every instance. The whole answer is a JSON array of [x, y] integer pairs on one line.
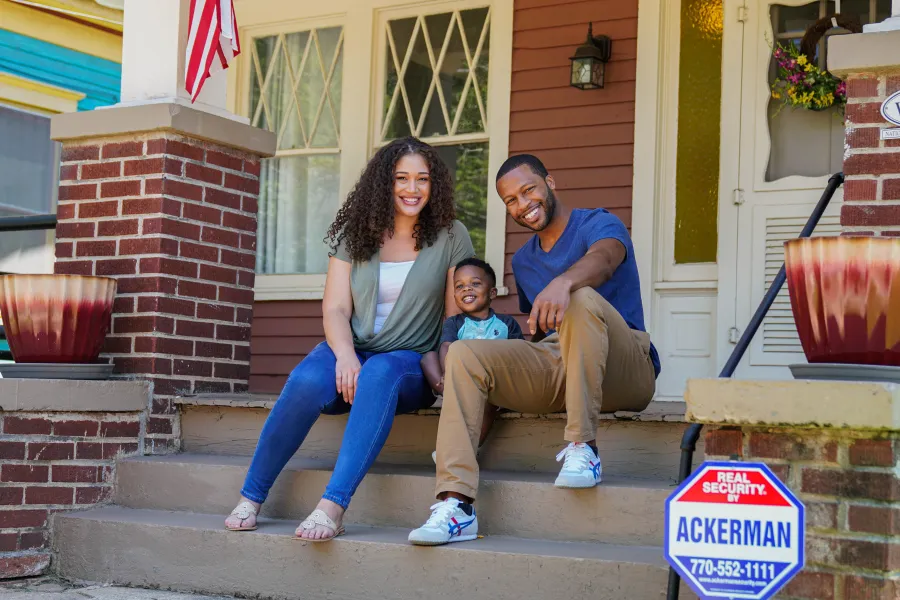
[[212, 42]]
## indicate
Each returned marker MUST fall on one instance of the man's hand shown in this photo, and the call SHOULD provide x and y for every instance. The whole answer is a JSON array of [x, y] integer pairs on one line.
[[549, 308]]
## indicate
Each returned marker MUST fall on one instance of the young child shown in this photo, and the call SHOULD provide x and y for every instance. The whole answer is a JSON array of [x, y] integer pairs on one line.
[[474, 288]]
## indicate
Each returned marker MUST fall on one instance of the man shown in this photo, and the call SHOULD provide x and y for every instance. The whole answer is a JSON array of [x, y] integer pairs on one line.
[[578, 282]]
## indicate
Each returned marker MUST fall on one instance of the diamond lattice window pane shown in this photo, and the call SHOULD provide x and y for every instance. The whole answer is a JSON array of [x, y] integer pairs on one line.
[[292, 133], [436, 74], [329, 108], [417, 77], [267, 65], [400, 36], [295, 87]]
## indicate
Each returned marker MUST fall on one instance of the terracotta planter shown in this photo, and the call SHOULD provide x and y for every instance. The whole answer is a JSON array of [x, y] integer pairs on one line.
[[56, 318], [845, 296]]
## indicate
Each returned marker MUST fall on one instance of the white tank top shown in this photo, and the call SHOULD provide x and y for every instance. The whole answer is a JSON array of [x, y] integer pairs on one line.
[[391, 278]]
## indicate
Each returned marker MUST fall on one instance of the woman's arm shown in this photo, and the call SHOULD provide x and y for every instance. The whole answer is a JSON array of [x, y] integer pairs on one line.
[[337, 308], [450, 307]]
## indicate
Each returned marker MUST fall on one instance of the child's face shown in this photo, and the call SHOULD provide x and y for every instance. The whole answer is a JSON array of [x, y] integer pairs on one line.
[[472, 289]]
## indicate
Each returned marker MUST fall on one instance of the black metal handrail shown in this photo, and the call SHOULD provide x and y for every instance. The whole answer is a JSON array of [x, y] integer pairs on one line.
[[28, 223], [692, 433]]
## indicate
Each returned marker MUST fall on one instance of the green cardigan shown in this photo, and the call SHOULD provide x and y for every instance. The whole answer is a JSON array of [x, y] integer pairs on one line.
[[415, 321]]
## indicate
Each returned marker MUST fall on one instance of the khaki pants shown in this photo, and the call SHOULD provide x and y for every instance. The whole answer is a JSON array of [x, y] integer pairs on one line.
[[595, 364]]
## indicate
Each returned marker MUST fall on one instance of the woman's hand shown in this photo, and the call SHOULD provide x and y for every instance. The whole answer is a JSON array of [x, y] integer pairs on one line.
[[346, 376]]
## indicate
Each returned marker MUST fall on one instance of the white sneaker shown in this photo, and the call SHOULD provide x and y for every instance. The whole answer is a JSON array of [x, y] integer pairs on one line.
[[448, 523], [581, 469]]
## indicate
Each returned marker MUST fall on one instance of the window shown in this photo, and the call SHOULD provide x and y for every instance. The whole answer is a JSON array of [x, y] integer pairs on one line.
[[699, 113], [435, 87], [29, 161], [335, 81], [296, 93]]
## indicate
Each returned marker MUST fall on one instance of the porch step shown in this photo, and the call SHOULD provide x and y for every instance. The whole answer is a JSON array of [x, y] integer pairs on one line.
[[638, 445], [618, 511], [191, 552]]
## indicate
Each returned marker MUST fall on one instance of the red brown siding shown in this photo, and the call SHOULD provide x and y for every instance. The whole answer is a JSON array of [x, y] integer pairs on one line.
[[584, 137]]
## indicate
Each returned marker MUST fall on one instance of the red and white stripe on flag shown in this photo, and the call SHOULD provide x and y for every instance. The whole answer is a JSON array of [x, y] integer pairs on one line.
[[212, 42]]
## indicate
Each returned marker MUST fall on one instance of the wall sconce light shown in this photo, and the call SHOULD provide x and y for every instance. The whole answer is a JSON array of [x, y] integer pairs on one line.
[[589, 62]]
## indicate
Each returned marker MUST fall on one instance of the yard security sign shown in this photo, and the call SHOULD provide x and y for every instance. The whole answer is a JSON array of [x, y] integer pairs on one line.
[[733, 530]]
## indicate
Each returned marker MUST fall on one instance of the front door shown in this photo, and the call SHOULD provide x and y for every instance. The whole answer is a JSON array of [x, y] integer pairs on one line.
[[782, 160]]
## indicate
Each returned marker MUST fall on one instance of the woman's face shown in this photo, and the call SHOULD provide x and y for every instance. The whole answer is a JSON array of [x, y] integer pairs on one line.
[[412, 185]]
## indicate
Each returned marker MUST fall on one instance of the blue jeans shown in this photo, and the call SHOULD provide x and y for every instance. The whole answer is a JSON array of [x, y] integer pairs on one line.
[[389, 383]]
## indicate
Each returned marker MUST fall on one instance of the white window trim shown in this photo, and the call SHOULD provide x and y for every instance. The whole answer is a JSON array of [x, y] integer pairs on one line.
[[360, 19]]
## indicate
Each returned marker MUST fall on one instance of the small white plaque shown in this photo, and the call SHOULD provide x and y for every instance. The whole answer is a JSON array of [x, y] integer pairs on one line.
[[890, 134]]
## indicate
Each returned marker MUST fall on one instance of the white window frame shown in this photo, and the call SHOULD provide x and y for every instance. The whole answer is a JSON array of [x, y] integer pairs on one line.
[[360, 111]]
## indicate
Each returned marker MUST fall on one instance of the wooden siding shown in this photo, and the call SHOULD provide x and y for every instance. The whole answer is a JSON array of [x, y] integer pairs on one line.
[[586, 139]]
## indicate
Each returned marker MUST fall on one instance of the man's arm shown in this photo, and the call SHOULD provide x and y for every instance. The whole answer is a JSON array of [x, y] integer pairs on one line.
[[593, 270]]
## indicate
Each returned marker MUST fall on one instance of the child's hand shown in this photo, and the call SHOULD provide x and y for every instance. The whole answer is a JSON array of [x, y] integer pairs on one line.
[[439, 388]]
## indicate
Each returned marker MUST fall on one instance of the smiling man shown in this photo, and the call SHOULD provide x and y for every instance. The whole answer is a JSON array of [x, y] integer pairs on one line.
[[578, 282]]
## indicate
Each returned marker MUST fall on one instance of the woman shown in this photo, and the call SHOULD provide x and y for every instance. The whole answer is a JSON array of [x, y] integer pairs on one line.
[[390, 280]]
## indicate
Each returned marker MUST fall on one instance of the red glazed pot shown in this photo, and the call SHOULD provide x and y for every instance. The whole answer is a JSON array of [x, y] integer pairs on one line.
[[56, 318], [845, 296]]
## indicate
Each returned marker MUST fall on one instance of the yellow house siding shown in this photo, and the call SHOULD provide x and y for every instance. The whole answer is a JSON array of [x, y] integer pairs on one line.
[[62, 32]]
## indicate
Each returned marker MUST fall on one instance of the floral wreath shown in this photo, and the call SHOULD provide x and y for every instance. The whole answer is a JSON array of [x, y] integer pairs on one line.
[[801, 84]]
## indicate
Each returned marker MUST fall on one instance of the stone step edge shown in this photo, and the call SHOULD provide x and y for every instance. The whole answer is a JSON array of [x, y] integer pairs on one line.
[[657, 411], [283, 529], [385, 470]]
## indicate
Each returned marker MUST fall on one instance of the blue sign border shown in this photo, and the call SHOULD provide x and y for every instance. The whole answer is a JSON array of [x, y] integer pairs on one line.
[[784, 490]]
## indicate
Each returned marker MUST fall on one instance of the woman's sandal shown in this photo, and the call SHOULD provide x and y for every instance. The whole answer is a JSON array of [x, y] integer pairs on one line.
[[318, 517], [243, 511]]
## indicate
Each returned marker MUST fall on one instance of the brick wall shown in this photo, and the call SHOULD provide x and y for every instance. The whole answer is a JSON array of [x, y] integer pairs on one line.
[[174, 220], [850, 484], [871, 165], [51, 462]]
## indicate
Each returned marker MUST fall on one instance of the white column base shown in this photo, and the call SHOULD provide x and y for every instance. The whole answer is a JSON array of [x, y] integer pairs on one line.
[[198, 105]]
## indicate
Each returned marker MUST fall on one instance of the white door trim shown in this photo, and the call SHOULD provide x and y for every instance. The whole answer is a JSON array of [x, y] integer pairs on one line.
[[647, 129], [729, 172]]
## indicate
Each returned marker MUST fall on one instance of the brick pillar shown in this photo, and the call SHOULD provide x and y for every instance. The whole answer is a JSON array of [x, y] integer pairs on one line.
[[849, 483], [837, 446], [871, 165], [172, 216]]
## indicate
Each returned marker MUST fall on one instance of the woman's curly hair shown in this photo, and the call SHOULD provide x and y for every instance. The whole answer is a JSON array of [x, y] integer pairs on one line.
[[368, 212]]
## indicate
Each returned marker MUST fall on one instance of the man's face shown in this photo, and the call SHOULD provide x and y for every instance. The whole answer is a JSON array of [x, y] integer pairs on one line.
[[529, 198]]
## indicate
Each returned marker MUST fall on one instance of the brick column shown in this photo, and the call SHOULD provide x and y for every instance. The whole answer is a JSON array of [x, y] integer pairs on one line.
[[170, 213], [870, 64], [837, 446]]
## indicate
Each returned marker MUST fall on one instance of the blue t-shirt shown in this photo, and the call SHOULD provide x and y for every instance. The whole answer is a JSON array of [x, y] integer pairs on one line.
[[534, 269]]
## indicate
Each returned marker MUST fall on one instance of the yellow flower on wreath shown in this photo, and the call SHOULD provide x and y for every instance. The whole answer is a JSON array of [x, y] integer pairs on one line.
[[802, 60]]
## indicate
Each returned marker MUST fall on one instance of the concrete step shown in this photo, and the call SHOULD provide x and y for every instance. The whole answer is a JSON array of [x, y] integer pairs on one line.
[[641, 445], [619, 511], [191, 552]]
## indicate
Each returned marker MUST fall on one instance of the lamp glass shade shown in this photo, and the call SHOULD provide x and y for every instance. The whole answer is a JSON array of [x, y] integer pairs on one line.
[[587, 73]]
